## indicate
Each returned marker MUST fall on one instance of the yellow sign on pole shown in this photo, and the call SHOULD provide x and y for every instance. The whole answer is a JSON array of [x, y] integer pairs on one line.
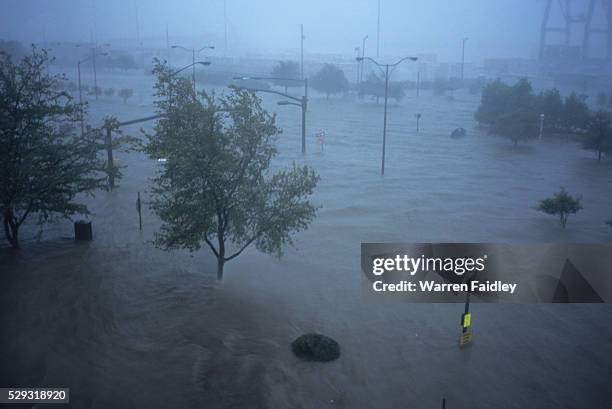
[[465, 338]]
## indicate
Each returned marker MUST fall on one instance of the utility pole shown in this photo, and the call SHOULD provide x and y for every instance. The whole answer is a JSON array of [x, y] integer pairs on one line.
[[463, 57], [357, 49], [193, 52], [385, 119], [167, 38], [81, 98], [378, 33], [363, 42], [225, 26], [302, 51], [93, 50], [137, 25], [193, 69], [418, 84]]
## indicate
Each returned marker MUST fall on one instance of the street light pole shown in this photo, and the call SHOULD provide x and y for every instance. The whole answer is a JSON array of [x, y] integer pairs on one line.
[[463, 57], [81, 95], [193, 61], [357, 49], [363, 42], [302, 51], [193, 69], [378, 32], [387, 73], [382, 172], [93, 50]]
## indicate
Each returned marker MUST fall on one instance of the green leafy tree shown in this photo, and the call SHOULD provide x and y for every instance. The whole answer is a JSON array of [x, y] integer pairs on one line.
[[598, 137], [550, 104], [576, 114], [517, 126], [494, 102], [44, 163], [286, 70], [330, 80], [374, 86], [217, 189], [125, 94], [501, 100], [562, 204]]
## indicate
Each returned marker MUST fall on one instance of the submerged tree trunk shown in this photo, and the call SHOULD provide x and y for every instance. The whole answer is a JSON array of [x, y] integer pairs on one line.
[[599, 156], [220, 254], [220, 264], [11, 229], [563, 217]]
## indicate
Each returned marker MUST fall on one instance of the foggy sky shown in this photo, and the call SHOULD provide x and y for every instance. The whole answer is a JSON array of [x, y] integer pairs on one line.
[[496, 28]]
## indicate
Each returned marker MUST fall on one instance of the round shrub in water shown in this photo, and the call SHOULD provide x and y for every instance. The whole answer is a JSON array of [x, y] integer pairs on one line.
[[315, 347]]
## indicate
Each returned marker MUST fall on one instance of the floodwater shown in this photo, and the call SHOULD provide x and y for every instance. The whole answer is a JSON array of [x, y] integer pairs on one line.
[[126, 325]]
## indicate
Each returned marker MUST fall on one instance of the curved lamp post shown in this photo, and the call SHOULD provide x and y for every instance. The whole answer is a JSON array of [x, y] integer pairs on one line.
[[193, 54], [386, 73], [300, 102]]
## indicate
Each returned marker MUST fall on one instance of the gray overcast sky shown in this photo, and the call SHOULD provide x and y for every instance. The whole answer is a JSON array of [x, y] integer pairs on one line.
[[496, 28]]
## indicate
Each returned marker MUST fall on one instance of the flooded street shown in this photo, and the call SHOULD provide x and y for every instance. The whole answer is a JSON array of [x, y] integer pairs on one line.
[[127, 325]]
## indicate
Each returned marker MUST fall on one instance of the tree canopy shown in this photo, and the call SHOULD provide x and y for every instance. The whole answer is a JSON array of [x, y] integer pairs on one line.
[[562, 204], [44, 162], [500, 102], [374, 86], [330, 80], [598, 137], [286, 70], [216, 188]]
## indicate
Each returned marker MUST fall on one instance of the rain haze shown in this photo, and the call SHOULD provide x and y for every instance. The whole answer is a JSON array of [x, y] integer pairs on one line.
[[195, 194]]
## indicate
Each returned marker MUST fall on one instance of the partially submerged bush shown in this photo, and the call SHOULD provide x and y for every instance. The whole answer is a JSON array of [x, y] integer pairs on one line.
[[316, 347], [562, 204]]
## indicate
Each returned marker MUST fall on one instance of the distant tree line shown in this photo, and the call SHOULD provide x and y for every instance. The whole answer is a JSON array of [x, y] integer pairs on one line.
[[513, 111]]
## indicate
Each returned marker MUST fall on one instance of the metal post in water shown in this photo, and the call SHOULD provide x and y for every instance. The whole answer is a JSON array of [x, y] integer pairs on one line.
[[138, 205]]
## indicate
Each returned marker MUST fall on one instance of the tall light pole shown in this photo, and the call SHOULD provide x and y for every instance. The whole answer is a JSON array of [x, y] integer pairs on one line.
[[167, 38], [193, 60], [357, 49], [301, 102], [81, 93], [81, 89], [225, 26], [302, 51], [363, 42], [386, 72], [378, 32], [95, 72], [463, 57]]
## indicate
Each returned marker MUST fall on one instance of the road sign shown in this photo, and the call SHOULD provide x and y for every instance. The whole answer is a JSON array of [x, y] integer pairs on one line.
[[466, 320]]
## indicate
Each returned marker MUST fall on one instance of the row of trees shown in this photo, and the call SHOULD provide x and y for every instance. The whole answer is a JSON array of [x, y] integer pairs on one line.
[[123, 93], [215, 190], [513, 111]]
